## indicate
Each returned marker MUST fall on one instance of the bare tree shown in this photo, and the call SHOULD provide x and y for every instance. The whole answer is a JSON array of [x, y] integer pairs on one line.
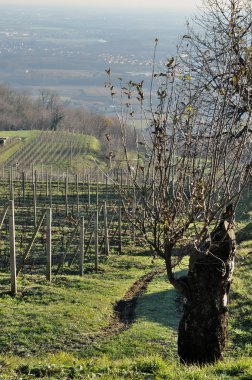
[[190, 170], [218, 54], [50, 102]]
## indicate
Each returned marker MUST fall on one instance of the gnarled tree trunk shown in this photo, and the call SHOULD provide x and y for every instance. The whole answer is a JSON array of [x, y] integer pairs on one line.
[[203, 327]]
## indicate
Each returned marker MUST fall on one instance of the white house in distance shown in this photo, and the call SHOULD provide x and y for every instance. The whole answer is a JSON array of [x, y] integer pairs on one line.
[[3, 140]]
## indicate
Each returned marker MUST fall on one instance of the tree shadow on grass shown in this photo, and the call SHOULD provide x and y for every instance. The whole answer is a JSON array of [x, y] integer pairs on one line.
[[164, 308], [244, 205], [244, 233], [5, 286]]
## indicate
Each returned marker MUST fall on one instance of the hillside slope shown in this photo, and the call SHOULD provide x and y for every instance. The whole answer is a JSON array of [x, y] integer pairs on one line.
[[59, 149]]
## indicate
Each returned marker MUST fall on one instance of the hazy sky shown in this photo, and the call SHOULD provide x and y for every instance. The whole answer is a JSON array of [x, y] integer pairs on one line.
[[172, 4]]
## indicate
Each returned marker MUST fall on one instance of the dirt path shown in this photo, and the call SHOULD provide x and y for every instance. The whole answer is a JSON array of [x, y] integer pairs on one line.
[[125, 309], [124, 313]]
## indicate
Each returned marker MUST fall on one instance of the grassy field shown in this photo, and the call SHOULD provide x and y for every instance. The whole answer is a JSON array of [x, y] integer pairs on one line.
[[72, 329], [58, 330]]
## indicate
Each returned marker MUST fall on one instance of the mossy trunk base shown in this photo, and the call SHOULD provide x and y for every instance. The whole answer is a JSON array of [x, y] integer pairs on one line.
[[203, 327]]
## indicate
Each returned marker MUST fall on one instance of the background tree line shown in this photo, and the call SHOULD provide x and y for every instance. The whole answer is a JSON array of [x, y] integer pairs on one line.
[[18, 111]]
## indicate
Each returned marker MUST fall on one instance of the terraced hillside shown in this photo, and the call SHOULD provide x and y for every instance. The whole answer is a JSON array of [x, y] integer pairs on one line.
[[59, 149]]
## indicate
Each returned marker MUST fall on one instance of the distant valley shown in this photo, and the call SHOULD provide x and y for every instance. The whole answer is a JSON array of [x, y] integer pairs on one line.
[[68, 51]]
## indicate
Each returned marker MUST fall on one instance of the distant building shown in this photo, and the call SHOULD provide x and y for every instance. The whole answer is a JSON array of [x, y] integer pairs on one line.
[[3, 140]]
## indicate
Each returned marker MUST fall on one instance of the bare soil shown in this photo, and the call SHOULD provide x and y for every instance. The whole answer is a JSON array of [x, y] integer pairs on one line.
[[125, 309]]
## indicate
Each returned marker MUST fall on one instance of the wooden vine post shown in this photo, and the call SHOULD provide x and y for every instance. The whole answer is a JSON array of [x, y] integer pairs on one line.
[[134, 220], [121, 180], [106, 235], [50, 192], [119, 229], [33, 172], [66, 194], [82, 242], [46, 184], [97, 193], [106, 187], [23, 185], [34, 204], [13, 269], [88, 191], [11, 184], [42, 173], [49, 244], [96, 238], [58, 183], [77, 194]]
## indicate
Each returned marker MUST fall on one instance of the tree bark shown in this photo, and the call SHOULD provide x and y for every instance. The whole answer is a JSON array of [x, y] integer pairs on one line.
[[203, 327]]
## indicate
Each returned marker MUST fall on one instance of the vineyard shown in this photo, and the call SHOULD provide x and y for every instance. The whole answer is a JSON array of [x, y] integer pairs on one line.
[[15, 142], [57, 150], [83, 206], [91, 301], [74, 205]]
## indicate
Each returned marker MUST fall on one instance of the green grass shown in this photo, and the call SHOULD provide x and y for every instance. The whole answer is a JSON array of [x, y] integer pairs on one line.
[[62, 366], [44, 328], [50, 316], [56, 330], [27, 134]]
